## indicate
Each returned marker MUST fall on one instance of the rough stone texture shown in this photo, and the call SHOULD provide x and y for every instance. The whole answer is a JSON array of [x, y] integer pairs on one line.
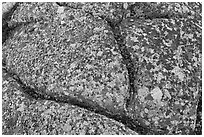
[[75, 57], [7, 6], [169, 52], [165, 9], [70, 50], [24, 115]]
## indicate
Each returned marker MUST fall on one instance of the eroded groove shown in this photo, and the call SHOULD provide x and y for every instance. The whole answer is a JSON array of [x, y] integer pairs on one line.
[[6, 29], [8, 14], [130, 66], [198, 128], [127, 59], [82, 103]]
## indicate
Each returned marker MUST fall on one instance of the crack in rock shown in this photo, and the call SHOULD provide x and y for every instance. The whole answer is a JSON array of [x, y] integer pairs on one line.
[[127, 59], [82, 103], [6, 16], [25, 115], [79, 100], [198, 128]]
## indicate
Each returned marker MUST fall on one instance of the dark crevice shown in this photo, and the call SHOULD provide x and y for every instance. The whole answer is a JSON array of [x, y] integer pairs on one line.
[[198, 128], [59, 3], [67, 4], [131, 66], [7, 15], [126, 56], [8, 30], [81, 102]]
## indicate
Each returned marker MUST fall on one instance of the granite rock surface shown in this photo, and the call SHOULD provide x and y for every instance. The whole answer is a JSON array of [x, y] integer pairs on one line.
[[101, 68]]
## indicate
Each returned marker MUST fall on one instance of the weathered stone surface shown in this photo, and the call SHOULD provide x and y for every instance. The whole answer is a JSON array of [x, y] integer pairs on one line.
[[24, 115], [169, 10], [75, 57], [169, 52], [6, 7], [71, 50]]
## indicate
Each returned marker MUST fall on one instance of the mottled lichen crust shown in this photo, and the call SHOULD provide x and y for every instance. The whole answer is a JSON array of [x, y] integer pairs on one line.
[[24, 115], [169, 10], [169, 52], [75, 57]]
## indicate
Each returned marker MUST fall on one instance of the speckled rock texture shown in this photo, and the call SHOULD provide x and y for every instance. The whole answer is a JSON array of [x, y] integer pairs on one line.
[[169, 81], [140, 61], [76, 58], [23, 115], [169, 52]]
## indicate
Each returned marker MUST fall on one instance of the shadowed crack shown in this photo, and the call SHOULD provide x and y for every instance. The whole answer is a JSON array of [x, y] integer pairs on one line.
[[6, 16], [126, 56], [7, 30], [81, 102], [198, 128]]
